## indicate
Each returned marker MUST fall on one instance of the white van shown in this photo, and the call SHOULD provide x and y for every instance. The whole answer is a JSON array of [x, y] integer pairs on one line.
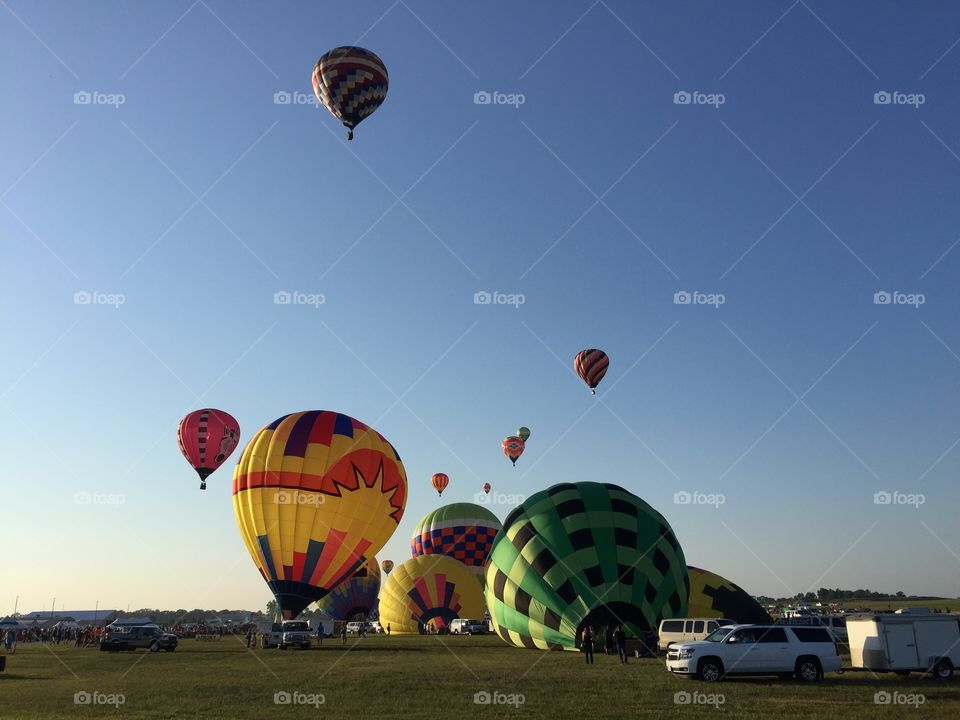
[[682, 630], [467, 627]]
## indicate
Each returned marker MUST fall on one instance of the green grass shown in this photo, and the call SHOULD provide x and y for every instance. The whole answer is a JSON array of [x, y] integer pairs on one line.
[[419, 677]]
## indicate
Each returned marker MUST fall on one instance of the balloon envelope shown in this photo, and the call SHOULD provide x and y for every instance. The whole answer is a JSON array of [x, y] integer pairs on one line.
[[463, 531], [512, 448], [523, 433], [207, 437], [440, 482], [429, 589], [387, 566], [714, 596], [591, 365], [315, 494], [350, 82], [582, 554], [354, 598], [486, 488]]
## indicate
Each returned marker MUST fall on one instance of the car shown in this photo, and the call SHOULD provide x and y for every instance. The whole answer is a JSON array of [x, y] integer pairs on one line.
[[680, 630], [295, 633], [353, 628], [465, 626], [784, 650], [149, 637], [837, 624]]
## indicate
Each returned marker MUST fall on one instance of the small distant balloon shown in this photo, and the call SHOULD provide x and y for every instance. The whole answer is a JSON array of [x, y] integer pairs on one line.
[[486, 488], [387, 566], [591, 365], [523, 433], [440, 482], [206, 438], [513, 448]]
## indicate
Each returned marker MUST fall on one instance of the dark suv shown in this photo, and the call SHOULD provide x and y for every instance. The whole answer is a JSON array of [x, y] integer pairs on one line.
[[141, 636]]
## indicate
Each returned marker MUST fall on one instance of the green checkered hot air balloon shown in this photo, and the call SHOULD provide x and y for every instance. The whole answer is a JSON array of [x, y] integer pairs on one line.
[[581, 554]]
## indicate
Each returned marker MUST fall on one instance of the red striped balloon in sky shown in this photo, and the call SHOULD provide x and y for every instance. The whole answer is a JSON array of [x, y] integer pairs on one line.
[[591, 365], [351, 82], [206, 438], [440, 482]]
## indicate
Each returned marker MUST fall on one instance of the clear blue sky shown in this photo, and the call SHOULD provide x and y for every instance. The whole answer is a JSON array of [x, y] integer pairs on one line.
[[103, 198]]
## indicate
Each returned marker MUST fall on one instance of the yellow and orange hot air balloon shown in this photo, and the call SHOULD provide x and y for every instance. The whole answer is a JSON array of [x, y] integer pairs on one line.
[[315, 494], [513, 448], [439, 482]]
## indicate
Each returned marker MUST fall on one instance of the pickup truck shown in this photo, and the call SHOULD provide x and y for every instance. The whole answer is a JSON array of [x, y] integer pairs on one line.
[[295, 633]]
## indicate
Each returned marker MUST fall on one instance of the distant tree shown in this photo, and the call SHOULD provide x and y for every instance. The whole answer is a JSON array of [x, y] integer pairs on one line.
[[272, 609]]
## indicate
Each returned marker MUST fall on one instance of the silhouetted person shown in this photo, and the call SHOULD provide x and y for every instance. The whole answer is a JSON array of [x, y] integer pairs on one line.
[[586, 644]]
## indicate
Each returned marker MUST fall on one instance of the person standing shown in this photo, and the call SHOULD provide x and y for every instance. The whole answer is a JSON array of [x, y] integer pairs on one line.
[[621, 639], [388, 629], [343, 634], [586, 644], [320, 634]]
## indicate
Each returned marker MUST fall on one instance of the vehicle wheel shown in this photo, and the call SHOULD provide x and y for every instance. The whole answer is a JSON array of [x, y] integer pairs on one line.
[[808, 669], [155, 647], [709, 670], [943, 670]]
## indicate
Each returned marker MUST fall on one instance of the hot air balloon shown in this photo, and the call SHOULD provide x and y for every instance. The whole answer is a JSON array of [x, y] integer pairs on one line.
[[351, 83], [513, 448], [387, 566], [354, 598], [523, 433], [463, 531], [315, 494], [429, 589], [591, 365], [714, 596], [439, 482], [581, 554], [206, 438], [486, 488]]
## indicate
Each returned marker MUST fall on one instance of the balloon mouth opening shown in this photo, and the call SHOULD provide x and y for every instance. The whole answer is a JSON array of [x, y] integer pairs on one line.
[[444, 615], [204, 473], [610, 615], [294, 597]]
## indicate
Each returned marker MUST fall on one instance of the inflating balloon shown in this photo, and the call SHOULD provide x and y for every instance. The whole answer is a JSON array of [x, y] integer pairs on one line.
[[439, 482], [434, 590], [354, 598], [581, 554], [513, 448], [714, 596], [315, 494], [206, 438], [351, 83], [463, 531], [591, 365], [523, 433]]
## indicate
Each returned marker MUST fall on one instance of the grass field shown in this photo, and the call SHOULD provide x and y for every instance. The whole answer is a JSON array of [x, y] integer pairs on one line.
[[877, 605], [422, 677]]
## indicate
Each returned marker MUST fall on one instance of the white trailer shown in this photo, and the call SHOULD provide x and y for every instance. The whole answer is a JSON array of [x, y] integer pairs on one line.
[[904, 642]]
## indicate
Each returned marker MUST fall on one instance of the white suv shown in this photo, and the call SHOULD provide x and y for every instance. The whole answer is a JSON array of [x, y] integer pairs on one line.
[[804, 652]]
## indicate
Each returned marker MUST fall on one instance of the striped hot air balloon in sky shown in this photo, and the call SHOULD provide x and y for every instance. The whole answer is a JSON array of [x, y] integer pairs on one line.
[[206, 438], [591, 365], [315, 494], [513, 448], [439, 482], [350, 82]]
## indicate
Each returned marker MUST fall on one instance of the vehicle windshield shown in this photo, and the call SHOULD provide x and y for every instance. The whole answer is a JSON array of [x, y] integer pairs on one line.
[[719, 634], [296, 626]]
